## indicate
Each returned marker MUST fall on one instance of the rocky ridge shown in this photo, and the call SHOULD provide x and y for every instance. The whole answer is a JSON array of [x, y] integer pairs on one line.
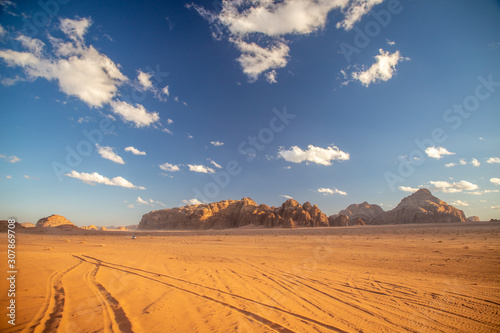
[[363, 210], [420, 207], [53, 221]]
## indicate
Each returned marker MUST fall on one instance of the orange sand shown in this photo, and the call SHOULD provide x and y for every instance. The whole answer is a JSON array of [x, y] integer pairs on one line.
[[410, 278]]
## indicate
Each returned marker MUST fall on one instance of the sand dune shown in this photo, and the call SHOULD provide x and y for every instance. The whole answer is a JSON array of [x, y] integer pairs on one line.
[[368, 279]]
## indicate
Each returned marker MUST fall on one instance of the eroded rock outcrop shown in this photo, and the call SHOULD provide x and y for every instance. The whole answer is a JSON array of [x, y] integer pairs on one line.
[[420, 207], [233, 214], [363, 210], [53, 221], [473, 219]]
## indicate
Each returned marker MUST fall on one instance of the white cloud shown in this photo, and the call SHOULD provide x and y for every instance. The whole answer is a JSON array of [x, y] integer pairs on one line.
[[408, 189], [460, 203], [495, 181], [200, 168], [169, 121], [462, 161], [329, 191], [492, 160], [109, 154], [286, 196], [390, 42], [475, 162], [166, 90], [217, 143], [491, 191], [193, 201], [383, 69], [447, 187], [149, 202], [8, 176], [494, 207], [141, 201], [95, 178], [189, 136], [355, 12], [10, 159], [269, 21], [80, 70], [318, 155], [137, 114], [135, 151], [255, 59], [3, 32], [437, 152], [287, 167], [144, 80], [449, 165], [169, 167]]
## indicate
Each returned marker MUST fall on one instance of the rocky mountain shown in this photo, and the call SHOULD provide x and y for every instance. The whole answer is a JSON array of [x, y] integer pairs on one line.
[[420, 207], [363, 210], [53, 221], [234, 213], [473, 219], [27, 225]]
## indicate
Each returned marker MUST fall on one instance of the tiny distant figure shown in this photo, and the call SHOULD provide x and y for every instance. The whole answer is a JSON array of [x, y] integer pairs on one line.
[[133, 237]]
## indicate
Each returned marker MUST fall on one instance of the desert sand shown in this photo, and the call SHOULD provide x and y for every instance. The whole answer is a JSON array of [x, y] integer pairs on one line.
[[411, 278]]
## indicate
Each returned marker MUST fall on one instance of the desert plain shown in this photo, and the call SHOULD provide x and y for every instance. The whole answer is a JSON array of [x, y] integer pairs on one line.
[[400, 278]]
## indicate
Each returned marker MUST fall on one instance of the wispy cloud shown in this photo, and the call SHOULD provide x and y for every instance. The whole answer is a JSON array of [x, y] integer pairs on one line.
[[138, 115], [318, 155], [446, 187], [95, 178], [408, 189], [149, 202], [10, 159], [192, 202], [217, 143], [109, 154], [286, 196], [460, 203]]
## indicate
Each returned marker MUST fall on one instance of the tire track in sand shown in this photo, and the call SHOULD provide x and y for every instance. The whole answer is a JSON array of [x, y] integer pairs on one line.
[[275, 326], [50, 314], [115, 318]]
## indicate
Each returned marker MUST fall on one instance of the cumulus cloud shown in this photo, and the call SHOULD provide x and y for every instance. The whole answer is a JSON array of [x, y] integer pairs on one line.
[[95, 178], [383, 69], [144, 80], [475, 162], [408, 189], [80, 70], [449, 165], [138, 115], [200, 168], [462, 161], [493, 160], [109, 154], [217, 143], [460, 203], [169, 167], [135, 151], [318, 155], [437, 152], [10, 159], [330, 191], [495, 181], [446, 187], [268, 22], [193, 201]]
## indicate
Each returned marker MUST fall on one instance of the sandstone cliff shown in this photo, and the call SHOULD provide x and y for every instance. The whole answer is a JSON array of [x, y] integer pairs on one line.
[[53, 221], [233, 214], [363, 210], [420, 207]]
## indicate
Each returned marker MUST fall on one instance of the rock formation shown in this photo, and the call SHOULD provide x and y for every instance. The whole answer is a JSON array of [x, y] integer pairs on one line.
[[363, 210], [357, 221], [27, 224], [473, 219], [420, 207], [338, 221], [53, 221], [233, 214], [90, 227]]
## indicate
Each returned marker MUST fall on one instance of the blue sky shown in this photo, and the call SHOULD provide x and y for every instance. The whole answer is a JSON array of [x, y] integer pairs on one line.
[[112, 109]]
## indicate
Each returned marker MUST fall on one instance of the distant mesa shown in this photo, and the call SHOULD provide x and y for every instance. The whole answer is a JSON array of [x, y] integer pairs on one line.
[[53, 221], [420, 207], [473, 219], [27, 224], [234, 214], [90, 227]]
